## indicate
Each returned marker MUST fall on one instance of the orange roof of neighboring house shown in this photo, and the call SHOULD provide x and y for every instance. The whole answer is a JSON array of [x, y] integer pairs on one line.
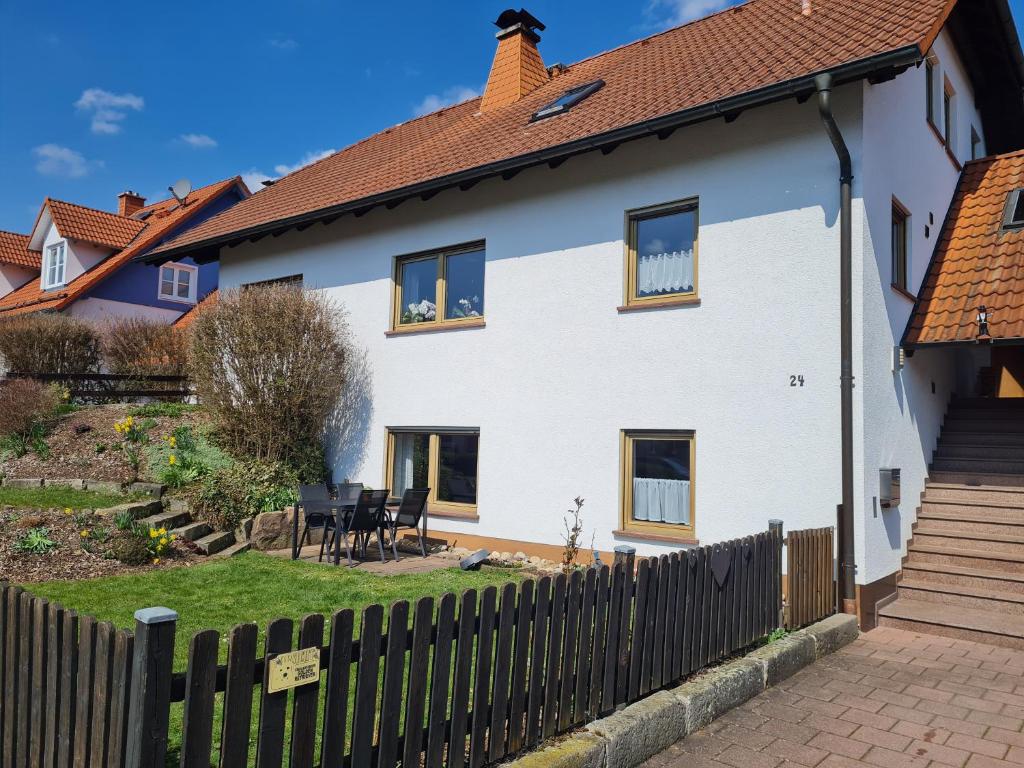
[[739, 54], [165, 216], [91, 225], [14, 250], [189, 317], [976, 262]]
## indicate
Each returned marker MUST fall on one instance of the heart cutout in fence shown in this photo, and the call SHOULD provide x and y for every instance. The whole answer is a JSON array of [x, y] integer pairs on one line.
[[748, 550], [721, 562]]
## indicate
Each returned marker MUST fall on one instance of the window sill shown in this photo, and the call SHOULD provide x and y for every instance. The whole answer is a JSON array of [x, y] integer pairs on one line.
[[942, 140], [445, 325], [453, 514], [176, 300], [903, 292], [662, 538], [677, 301]]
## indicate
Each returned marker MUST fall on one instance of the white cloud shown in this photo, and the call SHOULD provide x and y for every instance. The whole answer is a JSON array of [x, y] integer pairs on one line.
[[436, 101], [310, 157], [108, 109], [254, 177], [55, 160], [198, 140], [672, 13], [283, 43]]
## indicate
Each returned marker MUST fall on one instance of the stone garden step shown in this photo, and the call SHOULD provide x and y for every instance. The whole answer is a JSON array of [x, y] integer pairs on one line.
[[193, 531], [138, 509], [168, 520], [234, 549], [215, 542]]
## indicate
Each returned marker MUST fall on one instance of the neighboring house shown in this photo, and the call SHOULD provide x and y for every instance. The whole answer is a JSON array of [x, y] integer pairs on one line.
[[81, 260], [557, 331]]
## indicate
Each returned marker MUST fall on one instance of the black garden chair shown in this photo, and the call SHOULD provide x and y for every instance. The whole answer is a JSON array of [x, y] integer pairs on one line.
[[408, 516], [314, 500], [367, 517], [345, 496]]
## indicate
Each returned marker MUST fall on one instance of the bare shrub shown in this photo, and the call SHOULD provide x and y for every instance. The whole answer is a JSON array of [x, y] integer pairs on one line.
[[269, 365], [45, 343], [573, 522], [139, 347], [23, 404]]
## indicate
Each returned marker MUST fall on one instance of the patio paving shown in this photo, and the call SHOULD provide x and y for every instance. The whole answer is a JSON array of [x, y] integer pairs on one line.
[[408, 562], [892, 699]]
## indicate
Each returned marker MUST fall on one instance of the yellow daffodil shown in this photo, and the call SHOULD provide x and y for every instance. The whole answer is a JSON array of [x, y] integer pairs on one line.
[[163, 540], [153, 534], [156, 561], [174, 537], [171, 460], [67, 510], [173, 442], [83, 534], [163, 531]]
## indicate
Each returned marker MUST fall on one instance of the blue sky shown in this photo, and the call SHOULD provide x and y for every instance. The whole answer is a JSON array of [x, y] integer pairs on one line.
[[98, 97]]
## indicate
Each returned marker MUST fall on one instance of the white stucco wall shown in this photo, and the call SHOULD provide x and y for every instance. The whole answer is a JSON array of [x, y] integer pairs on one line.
[[104, 309], [13, 277], [903, 158], [557, 372], [80, 256]]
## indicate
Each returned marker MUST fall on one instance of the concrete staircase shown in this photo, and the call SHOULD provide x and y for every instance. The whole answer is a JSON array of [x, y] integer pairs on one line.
[[963, 575]]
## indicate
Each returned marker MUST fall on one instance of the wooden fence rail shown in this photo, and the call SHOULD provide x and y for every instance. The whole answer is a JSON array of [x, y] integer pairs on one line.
[[811, 594], [462, 681], [113, 386]]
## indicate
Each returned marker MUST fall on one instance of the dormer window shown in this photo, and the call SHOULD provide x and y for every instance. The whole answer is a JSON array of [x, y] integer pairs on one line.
[[1013, 217], [178, 283], [567, 100], [53, 269]]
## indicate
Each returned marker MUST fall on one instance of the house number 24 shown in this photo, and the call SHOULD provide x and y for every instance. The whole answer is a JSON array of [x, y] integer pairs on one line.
[[796, 380]]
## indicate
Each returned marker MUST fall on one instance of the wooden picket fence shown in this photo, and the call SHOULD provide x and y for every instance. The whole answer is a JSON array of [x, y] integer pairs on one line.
[[470, 680], [810, 571]]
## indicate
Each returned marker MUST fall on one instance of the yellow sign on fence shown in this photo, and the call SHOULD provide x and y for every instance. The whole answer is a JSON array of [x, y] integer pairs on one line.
[[290, 670]]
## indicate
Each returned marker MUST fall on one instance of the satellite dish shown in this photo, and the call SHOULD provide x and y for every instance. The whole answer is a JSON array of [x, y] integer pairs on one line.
[[181, 190]]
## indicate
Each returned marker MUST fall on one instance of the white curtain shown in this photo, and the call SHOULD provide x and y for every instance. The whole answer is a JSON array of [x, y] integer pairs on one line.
[[665, 272], [661, 501], [403, 480]]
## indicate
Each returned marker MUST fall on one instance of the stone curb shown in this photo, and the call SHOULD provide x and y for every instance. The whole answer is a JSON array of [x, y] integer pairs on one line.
[[627, 738]]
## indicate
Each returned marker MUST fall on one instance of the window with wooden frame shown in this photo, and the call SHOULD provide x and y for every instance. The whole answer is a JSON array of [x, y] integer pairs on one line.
[[900, 250], [440, 288], [443, 459], [948, 115], [661, 254], [657, 483], [929, 84]]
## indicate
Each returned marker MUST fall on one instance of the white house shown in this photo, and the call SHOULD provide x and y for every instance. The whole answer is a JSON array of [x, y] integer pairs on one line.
[[621, 279]]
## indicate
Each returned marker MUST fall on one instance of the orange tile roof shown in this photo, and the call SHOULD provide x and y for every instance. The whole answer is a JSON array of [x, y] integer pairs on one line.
[[92, 225], [166, 215], [738, 51], [189, 317], [976, 261], [14, 250]]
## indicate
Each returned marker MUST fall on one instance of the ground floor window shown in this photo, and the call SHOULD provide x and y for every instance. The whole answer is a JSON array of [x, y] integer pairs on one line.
[[444, 460], [658, 482]]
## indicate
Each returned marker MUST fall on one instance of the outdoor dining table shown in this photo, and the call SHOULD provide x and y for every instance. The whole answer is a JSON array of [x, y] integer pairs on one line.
[[340, 511]]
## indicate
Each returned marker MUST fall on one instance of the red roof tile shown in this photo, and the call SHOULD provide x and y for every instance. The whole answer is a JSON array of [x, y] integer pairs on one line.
[[165, 216], [976, 261], [736, 51], [14, 250], [189, 317], [92, 225]]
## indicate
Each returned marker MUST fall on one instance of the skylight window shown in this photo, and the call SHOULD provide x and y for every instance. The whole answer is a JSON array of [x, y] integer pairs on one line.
[[1013, 218], [567, 100]]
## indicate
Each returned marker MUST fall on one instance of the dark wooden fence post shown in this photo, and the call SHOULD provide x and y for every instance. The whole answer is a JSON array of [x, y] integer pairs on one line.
[[775, 529], [626, 555], [152, 666]]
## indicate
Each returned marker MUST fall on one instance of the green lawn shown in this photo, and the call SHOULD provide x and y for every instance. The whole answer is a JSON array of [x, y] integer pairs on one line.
[[251, 587], [59, 496]]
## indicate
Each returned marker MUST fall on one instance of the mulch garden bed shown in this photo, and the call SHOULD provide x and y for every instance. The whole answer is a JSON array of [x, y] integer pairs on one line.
[[70, 560], [84, 444]]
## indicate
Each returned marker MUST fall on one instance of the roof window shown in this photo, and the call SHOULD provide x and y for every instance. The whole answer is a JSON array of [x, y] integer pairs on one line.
[[567, 100], [1013, 218]]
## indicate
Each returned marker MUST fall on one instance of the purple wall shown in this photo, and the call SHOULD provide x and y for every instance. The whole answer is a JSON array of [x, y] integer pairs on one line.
[[136, 283]]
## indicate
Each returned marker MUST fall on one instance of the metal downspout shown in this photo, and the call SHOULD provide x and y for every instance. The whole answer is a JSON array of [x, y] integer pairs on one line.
[[847, 567]]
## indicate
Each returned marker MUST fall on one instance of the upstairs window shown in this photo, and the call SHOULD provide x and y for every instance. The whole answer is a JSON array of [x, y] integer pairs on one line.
[[929, 80], [439, 288], [567, 100], [976, 149], [54, 269], [948, 115], [661, 254], [1013, 217], [178, 283], [900, 218]]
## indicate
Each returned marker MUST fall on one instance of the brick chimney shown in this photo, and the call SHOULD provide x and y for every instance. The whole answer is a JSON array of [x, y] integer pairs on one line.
[[129, 202], [518, 68]]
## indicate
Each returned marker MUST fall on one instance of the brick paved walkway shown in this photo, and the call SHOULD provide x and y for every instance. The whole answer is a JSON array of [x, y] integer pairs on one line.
[[891, 699]]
